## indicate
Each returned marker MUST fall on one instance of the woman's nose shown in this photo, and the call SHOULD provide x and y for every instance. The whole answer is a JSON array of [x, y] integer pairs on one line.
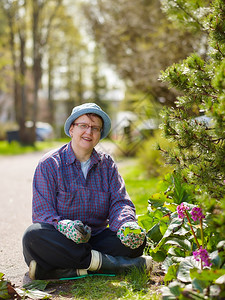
[[89, 130]]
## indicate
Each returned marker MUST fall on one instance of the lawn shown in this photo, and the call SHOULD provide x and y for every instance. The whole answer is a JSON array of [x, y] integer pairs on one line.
[[138, 187], [135, 285], [14, 148]]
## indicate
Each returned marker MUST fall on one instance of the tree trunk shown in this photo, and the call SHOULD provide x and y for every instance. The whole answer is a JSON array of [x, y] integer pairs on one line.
[[50, 90]]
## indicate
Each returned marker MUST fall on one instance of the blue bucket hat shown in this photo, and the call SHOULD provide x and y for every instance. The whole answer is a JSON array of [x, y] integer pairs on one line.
[[87, 108]]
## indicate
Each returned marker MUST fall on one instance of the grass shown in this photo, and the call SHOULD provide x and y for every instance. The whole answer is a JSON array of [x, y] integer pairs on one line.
[[108, 288], [15, 148], [138, 186], [135, 285]]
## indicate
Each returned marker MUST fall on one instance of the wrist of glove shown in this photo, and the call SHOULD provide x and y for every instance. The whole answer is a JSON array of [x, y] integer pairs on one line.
[[131, 235], [74, 230]]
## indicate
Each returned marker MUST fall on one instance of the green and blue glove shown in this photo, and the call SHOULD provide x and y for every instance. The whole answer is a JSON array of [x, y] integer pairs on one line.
[[131, 235], [75, 230]]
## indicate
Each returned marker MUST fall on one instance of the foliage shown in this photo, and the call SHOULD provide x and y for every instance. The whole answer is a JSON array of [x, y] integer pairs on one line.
[[138, 40], [197, 127], [8, 291], [174, 238], [197, 124], [39, 43], [151, 159], [189, 14]]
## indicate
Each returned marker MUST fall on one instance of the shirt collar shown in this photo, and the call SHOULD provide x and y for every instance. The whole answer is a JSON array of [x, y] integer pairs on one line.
[[71, 158]]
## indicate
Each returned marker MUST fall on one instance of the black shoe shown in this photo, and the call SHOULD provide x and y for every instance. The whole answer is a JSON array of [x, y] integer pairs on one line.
[[37, 272]]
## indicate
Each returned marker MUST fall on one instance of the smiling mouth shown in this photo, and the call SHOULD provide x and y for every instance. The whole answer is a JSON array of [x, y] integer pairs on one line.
[[87, 139]]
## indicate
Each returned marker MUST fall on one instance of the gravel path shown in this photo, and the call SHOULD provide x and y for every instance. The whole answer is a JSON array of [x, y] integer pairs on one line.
[[16, 173]]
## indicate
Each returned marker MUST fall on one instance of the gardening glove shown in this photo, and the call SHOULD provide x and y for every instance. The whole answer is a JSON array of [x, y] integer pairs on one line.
[[131, 235], [75, 230]]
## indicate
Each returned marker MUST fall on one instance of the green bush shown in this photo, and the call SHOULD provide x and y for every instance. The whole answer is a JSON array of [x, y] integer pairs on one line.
[[151, 158]]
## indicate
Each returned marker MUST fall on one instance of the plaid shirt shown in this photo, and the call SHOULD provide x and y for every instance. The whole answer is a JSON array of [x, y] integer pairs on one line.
[[60, 191]]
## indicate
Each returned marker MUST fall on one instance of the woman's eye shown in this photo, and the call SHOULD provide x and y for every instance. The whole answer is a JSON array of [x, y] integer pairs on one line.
[[83, 126]]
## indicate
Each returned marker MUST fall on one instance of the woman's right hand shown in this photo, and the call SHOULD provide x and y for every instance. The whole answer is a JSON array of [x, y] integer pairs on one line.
[[75, 230]]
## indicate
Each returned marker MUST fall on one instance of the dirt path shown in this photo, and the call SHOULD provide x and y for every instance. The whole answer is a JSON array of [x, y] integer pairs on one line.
[[16, 173]]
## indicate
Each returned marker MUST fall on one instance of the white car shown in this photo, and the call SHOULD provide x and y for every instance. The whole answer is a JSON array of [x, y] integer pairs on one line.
[[44, 131]]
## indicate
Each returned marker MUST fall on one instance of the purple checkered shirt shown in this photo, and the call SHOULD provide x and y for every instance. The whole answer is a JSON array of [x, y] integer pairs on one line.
[[61, 192]]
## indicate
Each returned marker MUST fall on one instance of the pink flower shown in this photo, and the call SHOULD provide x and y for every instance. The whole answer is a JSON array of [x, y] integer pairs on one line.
[[196, 214], [181, 210], [203, 255]]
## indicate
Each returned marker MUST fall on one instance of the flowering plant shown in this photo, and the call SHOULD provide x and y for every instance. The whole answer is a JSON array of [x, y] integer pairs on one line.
[[177, 232], [196, 215]]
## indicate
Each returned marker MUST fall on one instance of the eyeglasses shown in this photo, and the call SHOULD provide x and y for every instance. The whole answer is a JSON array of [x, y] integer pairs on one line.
[[84, 127]]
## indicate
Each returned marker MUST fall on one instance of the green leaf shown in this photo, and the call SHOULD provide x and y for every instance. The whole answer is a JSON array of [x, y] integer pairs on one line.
[[167, 294], [180, 193], [157, 200], [37, 284], [174, 225], [220, 280], [158, 214], [130, 230], [33, 294], [199, 285], [154, 233], [182, 231], [163, 227], [3, 290], [184, 244], [159, 256], [185, 266], [171, 206], [216, 259], [171, 273], [207, 275], [175, 251], [145, 221], [1, 275], [175, 288], [167, 263]]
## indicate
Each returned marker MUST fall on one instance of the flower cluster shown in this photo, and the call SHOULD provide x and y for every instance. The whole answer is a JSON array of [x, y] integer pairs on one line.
[[181, 209], [203, 255], [196, 214]]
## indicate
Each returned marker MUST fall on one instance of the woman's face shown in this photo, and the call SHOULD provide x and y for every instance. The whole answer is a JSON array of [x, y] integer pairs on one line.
[[85, 138]]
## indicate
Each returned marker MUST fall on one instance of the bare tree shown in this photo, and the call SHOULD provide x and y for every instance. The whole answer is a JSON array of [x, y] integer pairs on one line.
[[15, 12], [43, 13]]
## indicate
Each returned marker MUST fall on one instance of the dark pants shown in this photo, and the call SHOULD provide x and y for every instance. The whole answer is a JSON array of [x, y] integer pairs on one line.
[[51, 249]]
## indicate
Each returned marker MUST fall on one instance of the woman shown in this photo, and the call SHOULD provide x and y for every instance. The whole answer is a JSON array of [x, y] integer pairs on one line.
[[83, 218]]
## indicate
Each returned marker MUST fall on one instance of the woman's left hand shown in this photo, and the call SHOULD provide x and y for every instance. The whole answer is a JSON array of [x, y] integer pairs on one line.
[[131, 235]]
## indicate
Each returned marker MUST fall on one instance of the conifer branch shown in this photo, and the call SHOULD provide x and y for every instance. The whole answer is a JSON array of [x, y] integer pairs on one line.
[[190, 15]]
